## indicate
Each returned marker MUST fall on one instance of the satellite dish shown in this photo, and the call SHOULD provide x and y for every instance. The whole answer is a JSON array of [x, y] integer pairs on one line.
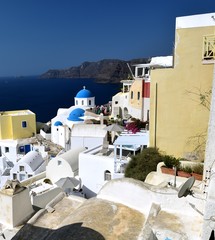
[[184, 190]]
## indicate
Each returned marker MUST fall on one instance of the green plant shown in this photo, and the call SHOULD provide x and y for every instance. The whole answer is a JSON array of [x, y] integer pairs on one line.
[[186, 168], [143, 163], [198, 168], [170, 161]]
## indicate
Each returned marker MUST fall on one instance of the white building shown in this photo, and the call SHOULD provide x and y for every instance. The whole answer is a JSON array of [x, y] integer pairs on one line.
[[16, 205], [120, 101], [31, 164], [64, 165], [10, 161], [43, 193], [84, 99], [64, 123], [87, 135], [106, 162], [14, 150]]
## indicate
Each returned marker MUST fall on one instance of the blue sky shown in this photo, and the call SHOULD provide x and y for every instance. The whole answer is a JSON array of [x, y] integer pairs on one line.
[[38, 35]]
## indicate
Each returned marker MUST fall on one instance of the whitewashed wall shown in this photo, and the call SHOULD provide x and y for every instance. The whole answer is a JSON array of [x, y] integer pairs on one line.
[[91, 172], [15, 208]]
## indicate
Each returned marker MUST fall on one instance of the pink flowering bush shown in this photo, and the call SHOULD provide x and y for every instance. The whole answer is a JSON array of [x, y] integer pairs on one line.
[[135, 125], [132, 127]]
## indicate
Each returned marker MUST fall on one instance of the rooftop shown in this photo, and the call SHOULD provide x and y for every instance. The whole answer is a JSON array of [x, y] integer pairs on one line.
[[199, 20], [141, 210], [16, 113], [84, 93]]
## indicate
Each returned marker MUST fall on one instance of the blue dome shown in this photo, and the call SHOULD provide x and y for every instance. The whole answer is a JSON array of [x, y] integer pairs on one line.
[[58, 123], [84, 93], [75, 114]]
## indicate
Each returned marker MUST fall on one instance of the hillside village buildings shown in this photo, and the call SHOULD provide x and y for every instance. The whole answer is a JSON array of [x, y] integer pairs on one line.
[[65, 131], [134, 100], [16, 125], [31, 164], [21, 153], [118, 207]]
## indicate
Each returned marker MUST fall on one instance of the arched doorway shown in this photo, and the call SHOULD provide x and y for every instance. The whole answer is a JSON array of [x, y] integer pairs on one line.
[[125, 115]]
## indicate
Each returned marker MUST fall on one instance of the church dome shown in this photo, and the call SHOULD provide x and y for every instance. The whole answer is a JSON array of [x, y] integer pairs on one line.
[[84, 93], [75, 114], [58, 123]]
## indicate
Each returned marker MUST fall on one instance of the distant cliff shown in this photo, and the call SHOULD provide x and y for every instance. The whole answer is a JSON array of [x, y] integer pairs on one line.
[[107, 70]]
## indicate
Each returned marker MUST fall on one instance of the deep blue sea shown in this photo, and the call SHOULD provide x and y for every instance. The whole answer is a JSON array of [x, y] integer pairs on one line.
[[45, 96]]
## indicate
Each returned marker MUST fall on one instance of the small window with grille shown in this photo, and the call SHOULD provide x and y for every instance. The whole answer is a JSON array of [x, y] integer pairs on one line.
[[209, 47]]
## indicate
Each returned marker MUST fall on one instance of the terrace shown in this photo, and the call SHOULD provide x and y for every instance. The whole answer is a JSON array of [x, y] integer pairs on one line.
[[122, 149], [208, 48]]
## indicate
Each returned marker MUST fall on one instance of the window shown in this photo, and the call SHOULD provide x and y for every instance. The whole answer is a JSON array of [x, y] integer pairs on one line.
[[132, 94], [59, 162], [82, 102], [139, 72], [107, 175], [30, 175], [209, 47], [21, 149], [90, 102], [125, 88], [76, 102], [14, 176], [6, 149], [24, 124], [116, 102], [147, 116], [146, 71], [21, 168], [22, 177], [138, 95]]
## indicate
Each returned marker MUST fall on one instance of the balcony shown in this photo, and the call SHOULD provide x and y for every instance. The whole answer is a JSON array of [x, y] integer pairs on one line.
[[208, 49]]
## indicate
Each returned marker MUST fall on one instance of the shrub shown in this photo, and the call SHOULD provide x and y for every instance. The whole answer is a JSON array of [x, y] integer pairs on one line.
[[143, 163], [186, 168], [198, 168], [135, 125], [170, 161]]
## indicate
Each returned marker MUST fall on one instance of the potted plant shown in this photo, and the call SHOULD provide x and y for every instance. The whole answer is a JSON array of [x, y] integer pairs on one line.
[[185, 171], [170, 163], [197, 171]]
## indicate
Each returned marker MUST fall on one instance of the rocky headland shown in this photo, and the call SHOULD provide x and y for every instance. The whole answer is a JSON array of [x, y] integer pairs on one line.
[[106, 70]]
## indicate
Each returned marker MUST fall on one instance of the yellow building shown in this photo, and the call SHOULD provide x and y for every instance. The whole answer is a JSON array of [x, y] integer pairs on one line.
[[178, 120], [136, 98], [17, 124]]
